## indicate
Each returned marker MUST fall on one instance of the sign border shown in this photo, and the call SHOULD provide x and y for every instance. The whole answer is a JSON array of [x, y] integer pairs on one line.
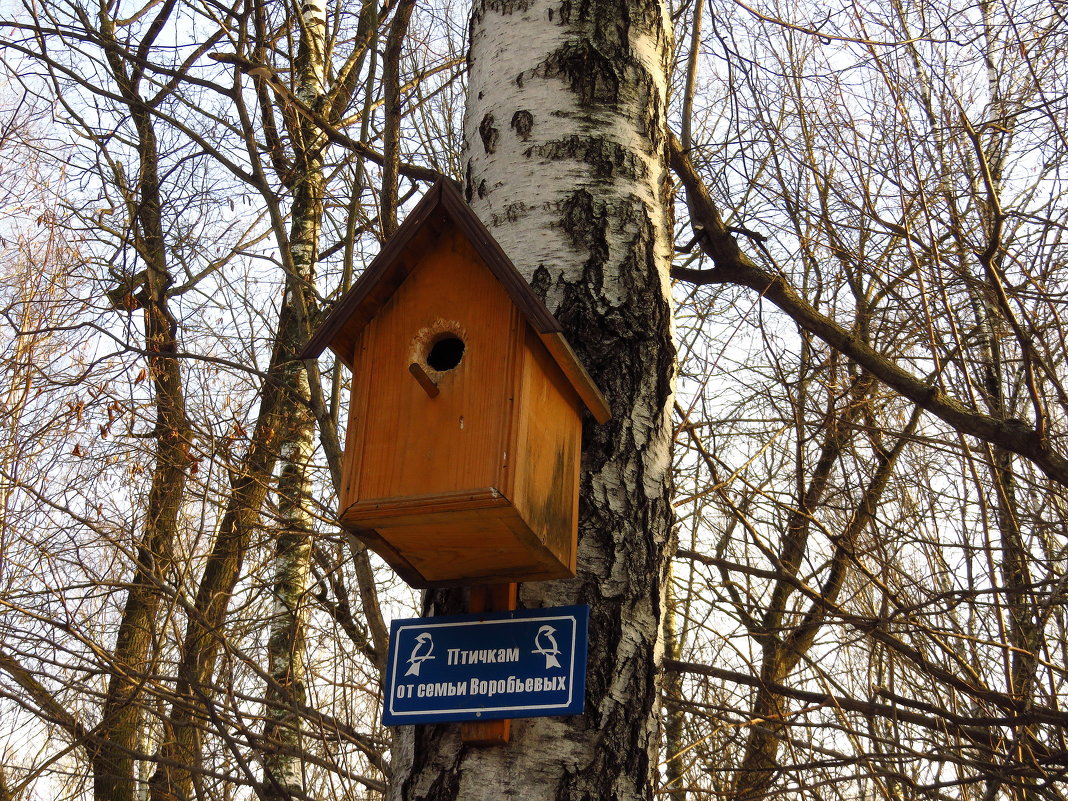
[[578, 614]]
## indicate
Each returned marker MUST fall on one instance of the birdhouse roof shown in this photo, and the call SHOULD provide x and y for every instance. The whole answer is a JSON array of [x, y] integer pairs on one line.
[[441, 208]]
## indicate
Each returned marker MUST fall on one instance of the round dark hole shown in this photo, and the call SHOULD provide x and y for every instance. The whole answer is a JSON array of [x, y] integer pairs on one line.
[[446, 354]]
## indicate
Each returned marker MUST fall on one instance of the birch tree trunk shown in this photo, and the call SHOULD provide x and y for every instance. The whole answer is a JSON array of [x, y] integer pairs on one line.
[[283, 766], [284, 432], [565, 148]]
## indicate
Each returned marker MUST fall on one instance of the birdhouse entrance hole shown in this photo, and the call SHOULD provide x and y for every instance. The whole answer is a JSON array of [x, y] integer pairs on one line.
[[446, 353]]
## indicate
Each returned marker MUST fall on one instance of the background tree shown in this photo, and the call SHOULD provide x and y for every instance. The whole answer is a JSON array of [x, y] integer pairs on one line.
[[176, 715], [892, 230], [867, 599]]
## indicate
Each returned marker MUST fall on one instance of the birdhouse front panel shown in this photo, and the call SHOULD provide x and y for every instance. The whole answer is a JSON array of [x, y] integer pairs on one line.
[[456, 325]]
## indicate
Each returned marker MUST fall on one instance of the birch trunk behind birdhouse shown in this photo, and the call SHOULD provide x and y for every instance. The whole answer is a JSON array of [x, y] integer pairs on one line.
[[565, 165]]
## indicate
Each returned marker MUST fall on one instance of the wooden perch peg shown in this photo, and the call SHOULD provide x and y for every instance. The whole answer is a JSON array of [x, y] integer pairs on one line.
[[489, 598], [425, 381]]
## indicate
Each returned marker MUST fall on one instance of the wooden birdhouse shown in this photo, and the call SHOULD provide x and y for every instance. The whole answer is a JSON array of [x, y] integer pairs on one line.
[[462, 452]]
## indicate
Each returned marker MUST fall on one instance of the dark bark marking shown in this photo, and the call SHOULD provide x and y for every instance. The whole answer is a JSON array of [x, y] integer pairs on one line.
[[607, 77], [651, 118], [586, 223], [591, 73], [608, 22], [607, 158], [511, 213], [599, 347], [541, 282], [641, 264], [446, 785], [599, 63], [469, 190], [523, 124], [482, 189], [489, 134], [508, 6]]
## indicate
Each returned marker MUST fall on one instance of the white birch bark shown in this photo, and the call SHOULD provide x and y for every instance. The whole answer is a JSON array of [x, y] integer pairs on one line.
[[565, 149], [284, 775]]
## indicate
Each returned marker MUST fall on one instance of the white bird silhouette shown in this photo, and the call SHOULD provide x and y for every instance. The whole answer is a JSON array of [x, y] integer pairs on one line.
[[547, 646], [424, 647]]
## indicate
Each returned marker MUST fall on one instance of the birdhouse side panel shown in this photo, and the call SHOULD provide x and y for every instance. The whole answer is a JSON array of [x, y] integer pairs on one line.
[[549, 441], [442, 425]]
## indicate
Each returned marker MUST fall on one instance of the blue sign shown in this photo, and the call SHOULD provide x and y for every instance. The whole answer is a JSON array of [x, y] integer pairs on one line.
[[520, 664]]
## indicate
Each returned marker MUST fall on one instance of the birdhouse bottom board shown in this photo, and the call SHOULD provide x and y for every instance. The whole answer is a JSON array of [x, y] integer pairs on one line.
[[469, 538]]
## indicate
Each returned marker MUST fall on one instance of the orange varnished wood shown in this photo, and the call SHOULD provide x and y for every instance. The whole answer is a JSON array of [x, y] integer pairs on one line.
[[421, 445], [489, 598], [458, 473], [452, 543], [379, 511], [492, 597], [353, 454], [549, 435], [576, 374]]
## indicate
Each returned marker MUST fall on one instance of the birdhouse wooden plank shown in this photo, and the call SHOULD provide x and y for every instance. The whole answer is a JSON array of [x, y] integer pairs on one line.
[[462, 450]]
